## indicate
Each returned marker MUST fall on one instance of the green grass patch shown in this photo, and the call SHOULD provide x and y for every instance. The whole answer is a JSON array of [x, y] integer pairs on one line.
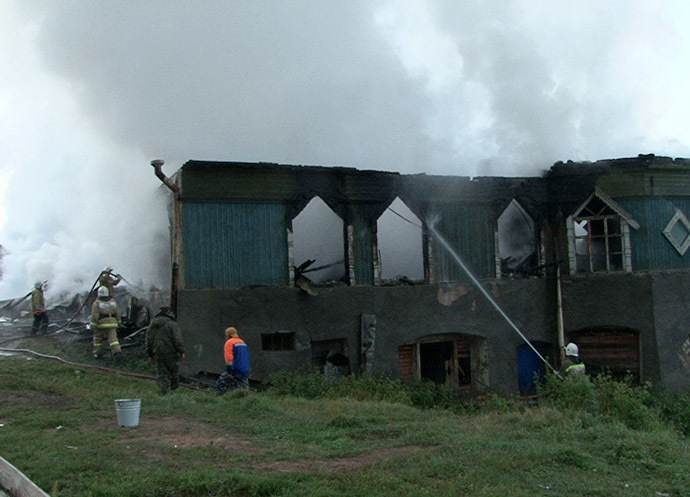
[[305, 436]]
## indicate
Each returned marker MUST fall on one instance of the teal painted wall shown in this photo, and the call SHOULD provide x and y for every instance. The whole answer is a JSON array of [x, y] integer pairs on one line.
[[650, 248], [363, 248], [228, 245]]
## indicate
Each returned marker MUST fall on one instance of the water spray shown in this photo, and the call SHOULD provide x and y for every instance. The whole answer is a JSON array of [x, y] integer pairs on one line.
[[431, 223]]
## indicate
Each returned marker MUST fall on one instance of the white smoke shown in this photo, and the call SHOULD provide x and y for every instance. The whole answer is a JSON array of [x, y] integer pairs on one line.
[[92, 91]]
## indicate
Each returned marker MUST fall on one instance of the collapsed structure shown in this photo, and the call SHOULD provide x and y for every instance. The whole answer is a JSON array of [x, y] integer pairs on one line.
[[594, 253]]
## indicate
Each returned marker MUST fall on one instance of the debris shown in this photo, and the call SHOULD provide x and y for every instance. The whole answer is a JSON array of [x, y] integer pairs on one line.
[[71, 447], [59, 427], [545, 487]]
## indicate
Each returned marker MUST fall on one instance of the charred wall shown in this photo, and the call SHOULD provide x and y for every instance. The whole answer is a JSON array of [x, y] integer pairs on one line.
[[403, 314]]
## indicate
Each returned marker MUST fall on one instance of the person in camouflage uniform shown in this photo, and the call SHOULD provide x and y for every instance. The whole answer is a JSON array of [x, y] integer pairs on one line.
[[165, 348]]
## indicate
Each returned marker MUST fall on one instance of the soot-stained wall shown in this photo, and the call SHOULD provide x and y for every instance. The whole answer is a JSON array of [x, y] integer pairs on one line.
[[403, 314]]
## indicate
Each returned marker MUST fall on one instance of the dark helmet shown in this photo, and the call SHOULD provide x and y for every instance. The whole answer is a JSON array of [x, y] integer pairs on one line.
[[166, 311]]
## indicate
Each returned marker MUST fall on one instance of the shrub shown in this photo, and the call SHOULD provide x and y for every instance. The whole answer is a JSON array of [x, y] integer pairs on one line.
[[673, 409], [624, 402], [310, 384], [571, 392], [619, 400]]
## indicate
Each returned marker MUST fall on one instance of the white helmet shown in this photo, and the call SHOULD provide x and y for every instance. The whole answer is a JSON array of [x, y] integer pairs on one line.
[[38, 284], [103, 291], [571, 349]]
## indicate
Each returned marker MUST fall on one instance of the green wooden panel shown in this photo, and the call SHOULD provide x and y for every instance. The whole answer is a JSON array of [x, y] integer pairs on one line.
[[469, 230], [363, 249], [650, 248], [228, 245]]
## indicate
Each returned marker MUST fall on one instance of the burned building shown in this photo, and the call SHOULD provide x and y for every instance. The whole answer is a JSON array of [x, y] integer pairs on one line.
[[595, 253]]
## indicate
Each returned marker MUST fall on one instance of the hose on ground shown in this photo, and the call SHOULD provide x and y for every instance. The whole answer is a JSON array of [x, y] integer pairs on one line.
[[93, 366]]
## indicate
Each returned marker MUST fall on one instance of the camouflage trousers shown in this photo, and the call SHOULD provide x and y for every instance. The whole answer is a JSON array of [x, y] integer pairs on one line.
[[167, 370], [228, 382], [100, 335]]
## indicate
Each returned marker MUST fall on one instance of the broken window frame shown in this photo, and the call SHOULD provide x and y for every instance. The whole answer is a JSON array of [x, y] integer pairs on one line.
[[536, 242], [608, 213], [321, 348]]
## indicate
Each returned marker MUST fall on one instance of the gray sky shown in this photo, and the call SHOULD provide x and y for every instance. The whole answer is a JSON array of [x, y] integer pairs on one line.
[[91, 91]]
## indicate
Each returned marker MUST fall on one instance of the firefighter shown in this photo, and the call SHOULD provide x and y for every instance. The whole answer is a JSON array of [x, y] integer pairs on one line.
[[236, 374], [572, 364], [38, 309], [109, 280], [105, 320], [165, 348]]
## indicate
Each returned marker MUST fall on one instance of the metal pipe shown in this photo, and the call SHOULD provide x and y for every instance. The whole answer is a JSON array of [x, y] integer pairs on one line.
[[559, 306], [177, 230]]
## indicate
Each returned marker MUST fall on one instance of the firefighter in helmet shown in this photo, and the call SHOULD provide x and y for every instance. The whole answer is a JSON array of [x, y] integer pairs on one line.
[[38, 309], [109, 280], [572, 364], [105, 320]]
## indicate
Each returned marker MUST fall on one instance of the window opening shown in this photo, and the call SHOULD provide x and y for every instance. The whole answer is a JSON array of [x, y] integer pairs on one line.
[[281, 340], [517, 244], [322, 349], [400, 244], [318, 244], [599, 236]]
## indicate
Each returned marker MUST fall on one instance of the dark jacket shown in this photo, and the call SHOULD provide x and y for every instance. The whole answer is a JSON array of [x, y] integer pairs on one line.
[[163, 338]]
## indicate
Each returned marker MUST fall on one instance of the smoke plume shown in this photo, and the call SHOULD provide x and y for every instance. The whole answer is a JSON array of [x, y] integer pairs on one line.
[[95, 90]]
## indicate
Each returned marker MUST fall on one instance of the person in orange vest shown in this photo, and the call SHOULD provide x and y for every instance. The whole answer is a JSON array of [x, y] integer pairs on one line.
[[38, 309], [105, 320], [237, 364]]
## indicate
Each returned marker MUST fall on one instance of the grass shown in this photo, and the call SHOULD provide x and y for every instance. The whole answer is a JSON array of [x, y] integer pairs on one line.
[[305, 436]]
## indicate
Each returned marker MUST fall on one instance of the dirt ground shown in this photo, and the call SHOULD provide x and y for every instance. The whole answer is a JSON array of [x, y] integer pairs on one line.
[[183, 433]]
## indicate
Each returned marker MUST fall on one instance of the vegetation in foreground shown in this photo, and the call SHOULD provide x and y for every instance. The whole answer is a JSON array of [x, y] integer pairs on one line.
[[306, 436]]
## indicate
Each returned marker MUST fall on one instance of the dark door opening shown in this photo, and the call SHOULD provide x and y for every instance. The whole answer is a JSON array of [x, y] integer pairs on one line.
[[436, 361]]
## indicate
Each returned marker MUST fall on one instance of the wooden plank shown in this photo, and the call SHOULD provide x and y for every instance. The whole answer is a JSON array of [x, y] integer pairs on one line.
[[17, 483], [406, 361]]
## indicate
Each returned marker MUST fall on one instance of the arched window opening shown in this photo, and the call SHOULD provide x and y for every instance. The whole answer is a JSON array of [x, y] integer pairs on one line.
[[517, 243], [318, 244], [400, 244], [599, 236]]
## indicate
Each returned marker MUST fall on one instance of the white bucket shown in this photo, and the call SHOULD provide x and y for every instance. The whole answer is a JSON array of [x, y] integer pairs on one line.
[[128, 411]]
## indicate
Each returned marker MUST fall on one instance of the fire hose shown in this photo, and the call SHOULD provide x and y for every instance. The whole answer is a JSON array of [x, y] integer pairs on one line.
[[93, 366]]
